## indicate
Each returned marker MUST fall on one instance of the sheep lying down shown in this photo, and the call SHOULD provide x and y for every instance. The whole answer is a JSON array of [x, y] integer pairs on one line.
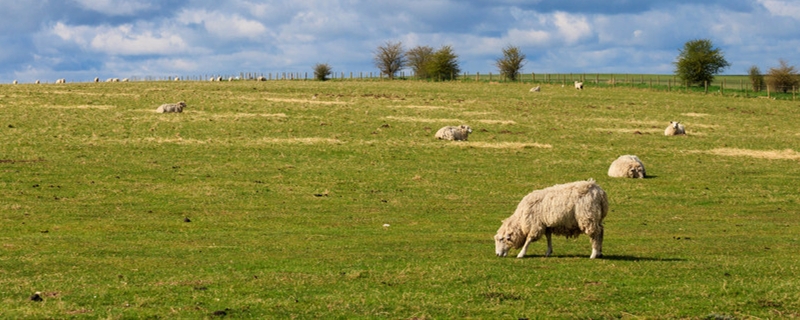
[[568, 209], [454, 133], [171, 107]]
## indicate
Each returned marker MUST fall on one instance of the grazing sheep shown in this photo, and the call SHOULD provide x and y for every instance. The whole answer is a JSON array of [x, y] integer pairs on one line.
[[171, 107], [627, 166], [454, 133], [177, 79], [125, 80], [230, 79], [675, 128], [61, 81], [536, 89], [565, 209], [578, 85], [15, 82], [261, 78], [37, 81], [96, 79], [110, 80]]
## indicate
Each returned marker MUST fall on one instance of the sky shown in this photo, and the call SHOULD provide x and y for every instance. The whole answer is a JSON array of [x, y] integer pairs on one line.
[[82, 39]]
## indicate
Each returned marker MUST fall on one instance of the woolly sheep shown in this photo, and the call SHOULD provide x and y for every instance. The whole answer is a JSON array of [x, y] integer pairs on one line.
[[96, 79], [675, 128], [230, 79], [627, 166], [171, 107], [125, 80], [261, 78], [61, 81], [110, 80], [177, 79], [37, 81], [454, 133], [15, 82], [536, 89], [565, 209], [578, 85]]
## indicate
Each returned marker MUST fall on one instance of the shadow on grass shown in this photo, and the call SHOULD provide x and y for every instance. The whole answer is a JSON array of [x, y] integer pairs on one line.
[[604, 257]]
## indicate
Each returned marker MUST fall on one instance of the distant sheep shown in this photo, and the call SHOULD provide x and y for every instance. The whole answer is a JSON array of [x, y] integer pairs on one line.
[[261, 78], [61, 81], [177, 79], [110, 80], [171, 107], [675, 128], [96, 79], [230, 79], [454, 133], [15, 82], [627, 166], [565, 209], [578, 85], [37, 81], [536, 89], [125, 80]]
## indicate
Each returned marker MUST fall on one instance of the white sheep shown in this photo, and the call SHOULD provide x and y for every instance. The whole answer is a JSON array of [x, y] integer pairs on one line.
[[125, 80], [177, 79], [454, 133], [171, 107], [110, 80], [96, 79], [627, 166], [675, 128], [15, 82], [564, 209], [61, 81], [578, 85], [37, 81], [536, 89], [230, 79], [261, 78]]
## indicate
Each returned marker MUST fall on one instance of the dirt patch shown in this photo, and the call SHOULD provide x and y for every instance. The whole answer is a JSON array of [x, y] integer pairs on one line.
[[787, 154]]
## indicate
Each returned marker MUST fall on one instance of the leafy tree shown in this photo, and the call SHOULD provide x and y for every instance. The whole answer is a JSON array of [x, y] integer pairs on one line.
[[756, 78], [322, 71], [444, 65], [390, 58], [418, 59], [511, 63], [699, 61], [783, 78]]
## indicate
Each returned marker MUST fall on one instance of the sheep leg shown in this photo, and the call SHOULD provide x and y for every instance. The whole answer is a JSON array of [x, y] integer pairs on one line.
[[524, 248], [597, 244], [548, 233]]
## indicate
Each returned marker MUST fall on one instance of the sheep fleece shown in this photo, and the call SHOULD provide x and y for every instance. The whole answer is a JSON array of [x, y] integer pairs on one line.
[[454, 133], [566, 209], [627, 166], [171, 107]]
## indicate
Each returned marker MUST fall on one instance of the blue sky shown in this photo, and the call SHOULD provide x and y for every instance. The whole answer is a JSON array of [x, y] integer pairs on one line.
[[82, 39]]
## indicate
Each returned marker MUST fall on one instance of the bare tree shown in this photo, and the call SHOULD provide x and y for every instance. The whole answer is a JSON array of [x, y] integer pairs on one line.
[[390, 58], [511, 63], [418, 59], [782, 78]]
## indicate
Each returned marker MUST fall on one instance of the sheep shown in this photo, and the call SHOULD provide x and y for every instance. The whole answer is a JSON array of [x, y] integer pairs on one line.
[[565, 209], [536, 89], [578, 85], [627, 166], [96, 79], [110, 80], [15, 82], [125, 80], [261, 78], [171, 107], [37, 81], [454, 133], [61, 81], [177, 79], [675, 128], [230, 79]]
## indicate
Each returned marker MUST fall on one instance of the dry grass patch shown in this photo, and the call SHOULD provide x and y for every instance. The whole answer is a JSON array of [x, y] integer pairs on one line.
[[497, 121], [502, 145], [304, 101], [692, 114], [420, 107], [787, 154], [100, 107], [424, 120], [309, 140]]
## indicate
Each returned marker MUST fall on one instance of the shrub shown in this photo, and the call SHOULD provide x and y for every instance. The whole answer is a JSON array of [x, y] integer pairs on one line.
[[444, 64], [322, 71], [782, 78], [756, 78], [511, 63], [418, 59], [699, 61]]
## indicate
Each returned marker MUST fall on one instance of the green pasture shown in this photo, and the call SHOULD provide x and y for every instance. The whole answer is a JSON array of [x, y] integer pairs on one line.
[[309, 200]]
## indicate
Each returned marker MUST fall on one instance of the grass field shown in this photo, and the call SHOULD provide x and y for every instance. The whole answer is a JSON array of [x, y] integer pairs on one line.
[[272, 200]]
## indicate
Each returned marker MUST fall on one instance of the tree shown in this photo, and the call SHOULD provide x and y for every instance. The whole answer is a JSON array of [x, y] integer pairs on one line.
[[782, 78], [390, 58], [322, 71], [418, 59], [511, 63], [756, 78], [444, 65], [699, 61]]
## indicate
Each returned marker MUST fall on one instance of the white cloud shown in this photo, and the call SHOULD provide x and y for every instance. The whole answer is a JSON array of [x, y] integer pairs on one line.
[[114, 7], [225, 26], [572, 27], [782, 8], [121, 40]]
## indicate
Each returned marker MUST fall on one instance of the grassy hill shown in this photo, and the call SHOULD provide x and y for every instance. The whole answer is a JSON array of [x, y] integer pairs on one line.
[[295, 199]]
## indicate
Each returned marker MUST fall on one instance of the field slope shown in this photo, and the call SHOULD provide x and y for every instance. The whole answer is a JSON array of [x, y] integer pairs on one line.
[[294, 199]]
